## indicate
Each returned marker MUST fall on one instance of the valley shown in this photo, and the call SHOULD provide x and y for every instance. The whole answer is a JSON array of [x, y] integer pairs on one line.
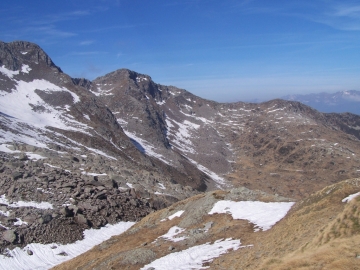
[[79, 155]]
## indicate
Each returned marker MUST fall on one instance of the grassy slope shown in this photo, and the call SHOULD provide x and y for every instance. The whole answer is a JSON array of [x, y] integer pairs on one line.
[[319, 232]]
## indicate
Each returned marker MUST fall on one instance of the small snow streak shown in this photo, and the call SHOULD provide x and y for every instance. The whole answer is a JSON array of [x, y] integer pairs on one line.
[[172, 233], [41, 205], [350, 197]]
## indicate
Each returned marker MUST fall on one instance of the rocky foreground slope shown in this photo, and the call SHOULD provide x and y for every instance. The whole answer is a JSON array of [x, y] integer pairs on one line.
[[79, 154]]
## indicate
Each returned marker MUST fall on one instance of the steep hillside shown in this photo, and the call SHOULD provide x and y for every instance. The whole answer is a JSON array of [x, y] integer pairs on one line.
[[226, 226], [279, 146]]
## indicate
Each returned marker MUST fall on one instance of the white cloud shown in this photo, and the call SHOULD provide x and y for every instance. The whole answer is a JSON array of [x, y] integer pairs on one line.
[[86, 42]]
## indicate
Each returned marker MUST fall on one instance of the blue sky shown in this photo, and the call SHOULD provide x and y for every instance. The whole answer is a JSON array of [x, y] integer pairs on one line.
[[221, 50]]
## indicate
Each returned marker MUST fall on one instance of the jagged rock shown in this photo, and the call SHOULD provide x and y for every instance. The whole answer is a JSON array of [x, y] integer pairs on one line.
[[46, 218], [101, 195], [139, 189], [79, 218], [66, 212], [111, 201], [16, 175], [133, 192], [23, 157], [9, 236]]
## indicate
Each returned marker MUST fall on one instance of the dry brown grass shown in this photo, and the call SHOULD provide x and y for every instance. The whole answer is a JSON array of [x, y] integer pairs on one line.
[[337, 254], [337, 246], [297, 234]]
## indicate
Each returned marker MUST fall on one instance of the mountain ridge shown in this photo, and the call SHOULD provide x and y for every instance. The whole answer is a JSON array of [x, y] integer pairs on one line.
[[121, 146]]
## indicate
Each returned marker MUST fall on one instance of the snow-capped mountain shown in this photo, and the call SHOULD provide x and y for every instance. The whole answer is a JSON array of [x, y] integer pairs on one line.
[[339, 102], [121, 146]]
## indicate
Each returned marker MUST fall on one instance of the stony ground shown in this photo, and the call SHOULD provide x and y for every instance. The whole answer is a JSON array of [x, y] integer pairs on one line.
[[80, 194]]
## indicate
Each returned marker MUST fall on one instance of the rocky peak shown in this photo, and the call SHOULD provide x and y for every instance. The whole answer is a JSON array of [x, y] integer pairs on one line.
[[16, 53], [82, 82], [140, 85]]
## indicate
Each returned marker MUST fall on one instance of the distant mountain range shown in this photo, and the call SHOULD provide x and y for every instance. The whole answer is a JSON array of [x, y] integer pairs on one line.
[[339, 102]]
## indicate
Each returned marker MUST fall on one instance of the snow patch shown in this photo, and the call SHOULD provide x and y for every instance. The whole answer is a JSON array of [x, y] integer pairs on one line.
[[4, 148], [350, 197], [25, 69], [34, 156], [7, 72], [161, 186], [161, 102], [94, 174], [100, 152], [219, 180], [139, 79], [177, 214], [144, 146], [19, 104], [172, 233], [41, 205], [263, 215], [194, 257], [19, 222], [6, 214], [182, 134], [280, 109], [129, 185]]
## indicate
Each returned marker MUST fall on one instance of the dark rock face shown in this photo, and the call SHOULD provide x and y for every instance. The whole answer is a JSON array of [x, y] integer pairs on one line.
[[14, 54], [126, 92]]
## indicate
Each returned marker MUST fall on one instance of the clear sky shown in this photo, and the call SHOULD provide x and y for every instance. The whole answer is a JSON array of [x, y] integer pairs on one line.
[[221, 50]]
